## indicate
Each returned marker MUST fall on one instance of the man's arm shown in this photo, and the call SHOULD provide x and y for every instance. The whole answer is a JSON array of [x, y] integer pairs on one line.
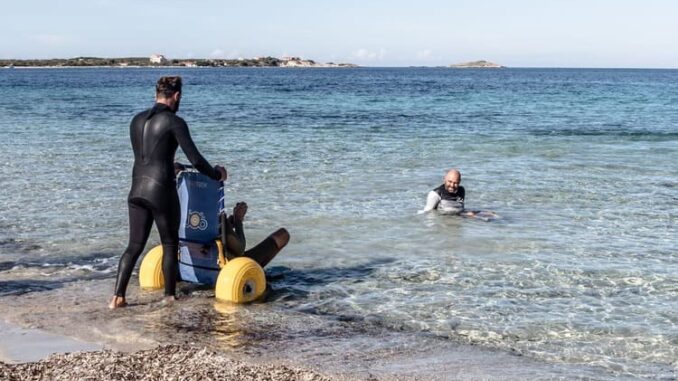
[[187, 145], [432, 201]]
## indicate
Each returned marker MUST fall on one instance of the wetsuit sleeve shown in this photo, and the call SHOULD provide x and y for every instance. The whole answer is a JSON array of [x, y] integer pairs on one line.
[[183, 136], [432, 201]]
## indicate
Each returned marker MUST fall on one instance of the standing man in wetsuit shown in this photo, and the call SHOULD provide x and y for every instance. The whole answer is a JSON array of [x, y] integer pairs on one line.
[[155, 134]]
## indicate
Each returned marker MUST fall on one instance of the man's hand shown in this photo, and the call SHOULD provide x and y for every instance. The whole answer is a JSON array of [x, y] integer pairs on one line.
[[239, 211], [221, 170], [178, 167]]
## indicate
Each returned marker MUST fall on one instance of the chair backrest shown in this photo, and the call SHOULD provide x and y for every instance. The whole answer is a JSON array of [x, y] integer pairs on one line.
[[201, 200]]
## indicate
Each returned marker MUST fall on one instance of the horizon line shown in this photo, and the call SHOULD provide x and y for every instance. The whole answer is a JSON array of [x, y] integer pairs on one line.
[[359, 65]]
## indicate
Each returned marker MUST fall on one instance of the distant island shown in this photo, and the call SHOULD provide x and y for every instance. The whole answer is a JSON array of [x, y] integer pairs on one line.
[[158, 60], [477, 64]]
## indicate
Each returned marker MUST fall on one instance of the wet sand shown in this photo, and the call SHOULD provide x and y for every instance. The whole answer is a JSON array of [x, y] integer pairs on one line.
[[260, 340], [45, 341], [19, 345]]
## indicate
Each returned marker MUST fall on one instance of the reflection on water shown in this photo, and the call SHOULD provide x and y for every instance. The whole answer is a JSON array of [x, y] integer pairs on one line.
[[227, 330]]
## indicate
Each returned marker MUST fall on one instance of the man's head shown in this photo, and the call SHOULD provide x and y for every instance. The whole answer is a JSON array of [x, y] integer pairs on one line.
[[452, 180], [168, 91]]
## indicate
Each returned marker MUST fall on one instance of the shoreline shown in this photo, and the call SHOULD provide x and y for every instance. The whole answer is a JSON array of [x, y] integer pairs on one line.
[[178, 67], [27, 352], [344, 67], [23, 345], [277, 344]]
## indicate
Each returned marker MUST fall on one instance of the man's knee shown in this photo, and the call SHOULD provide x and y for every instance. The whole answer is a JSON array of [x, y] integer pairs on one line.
[[134, 249], [281, 237]]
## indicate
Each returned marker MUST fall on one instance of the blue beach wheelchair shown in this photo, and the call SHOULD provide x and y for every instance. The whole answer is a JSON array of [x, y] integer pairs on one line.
[[202, 242]]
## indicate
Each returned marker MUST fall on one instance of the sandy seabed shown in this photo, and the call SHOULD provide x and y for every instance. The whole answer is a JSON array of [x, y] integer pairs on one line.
[[172, 362], [200, 339]]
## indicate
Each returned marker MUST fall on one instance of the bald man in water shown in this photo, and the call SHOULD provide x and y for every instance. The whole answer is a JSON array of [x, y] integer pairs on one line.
[[449, 197]]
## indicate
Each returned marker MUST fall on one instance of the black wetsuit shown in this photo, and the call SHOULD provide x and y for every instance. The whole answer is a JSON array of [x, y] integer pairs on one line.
[[451, 200], [154, 195]]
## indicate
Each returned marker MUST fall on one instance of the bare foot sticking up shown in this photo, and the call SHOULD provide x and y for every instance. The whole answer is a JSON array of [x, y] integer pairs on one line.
[[239, 211]]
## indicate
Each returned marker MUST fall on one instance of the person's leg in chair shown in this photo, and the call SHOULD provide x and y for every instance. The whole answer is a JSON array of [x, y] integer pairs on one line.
[[267, 249]]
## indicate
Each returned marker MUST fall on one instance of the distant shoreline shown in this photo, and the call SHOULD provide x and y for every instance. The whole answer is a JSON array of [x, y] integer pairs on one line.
[[159, 61], [168, 67], [313, 67], [482, 64]]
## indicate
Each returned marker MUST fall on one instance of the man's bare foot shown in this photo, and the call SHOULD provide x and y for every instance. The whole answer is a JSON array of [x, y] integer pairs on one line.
[[168, 300], [117, 302], [239, 211], [281, 238]]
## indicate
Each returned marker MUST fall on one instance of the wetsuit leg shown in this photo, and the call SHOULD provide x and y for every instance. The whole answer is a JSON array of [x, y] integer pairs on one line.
[[140, 223], [267, 249], [167, 220]]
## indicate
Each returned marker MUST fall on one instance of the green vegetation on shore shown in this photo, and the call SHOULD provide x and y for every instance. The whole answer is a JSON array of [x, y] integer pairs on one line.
[[146, 62]]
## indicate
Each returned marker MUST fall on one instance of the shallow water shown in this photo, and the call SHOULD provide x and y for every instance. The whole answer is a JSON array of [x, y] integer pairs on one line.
[[578, 270]]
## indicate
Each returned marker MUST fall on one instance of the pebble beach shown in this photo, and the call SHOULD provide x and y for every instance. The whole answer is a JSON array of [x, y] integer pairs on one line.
[[162, 363]]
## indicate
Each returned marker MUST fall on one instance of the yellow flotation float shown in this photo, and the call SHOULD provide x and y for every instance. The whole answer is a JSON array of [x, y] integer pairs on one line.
[[240, 280]]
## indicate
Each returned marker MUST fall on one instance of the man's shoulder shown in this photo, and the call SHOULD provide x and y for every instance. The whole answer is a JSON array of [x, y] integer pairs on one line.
[[141, 114], [177, 121], [171, 118]]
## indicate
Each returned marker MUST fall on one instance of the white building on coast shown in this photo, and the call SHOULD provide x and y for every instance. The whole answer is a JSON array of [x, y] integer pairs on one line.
[[158, 59]]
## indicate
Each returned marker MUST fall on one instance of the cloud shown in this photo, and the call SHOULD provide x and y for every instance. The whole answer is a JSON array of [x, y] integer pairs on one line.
[[368, 55]]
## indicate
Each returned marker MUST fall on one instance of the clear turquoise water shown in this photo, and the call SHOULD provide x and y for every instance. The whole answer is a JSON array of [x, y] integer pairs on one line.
[[580, 165]]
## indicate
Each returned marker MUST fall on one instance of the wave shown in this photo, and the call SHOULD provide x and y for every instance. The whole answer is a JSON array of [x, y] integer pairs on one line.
[[17, 245], [647, 134], [26, 286]]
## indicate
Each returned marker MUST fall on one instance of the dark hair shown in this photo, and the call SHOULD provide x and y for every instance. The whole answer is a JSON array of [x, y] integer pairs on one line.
[[168, 86]]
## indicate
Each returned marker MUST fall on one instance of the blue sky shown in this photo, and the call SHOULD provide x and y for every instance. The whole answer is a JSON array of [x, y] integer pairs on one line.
[[524, 33]]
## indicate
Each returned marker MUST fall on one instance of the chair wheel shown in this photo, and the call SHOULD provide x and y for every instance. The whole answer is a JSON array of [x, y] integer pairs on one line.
[[242, 280], [150, 271]]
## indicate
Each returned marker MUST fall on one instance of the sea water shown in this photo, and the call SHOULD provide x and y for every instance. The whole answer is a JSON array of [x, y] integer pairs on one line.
[[579, 268]]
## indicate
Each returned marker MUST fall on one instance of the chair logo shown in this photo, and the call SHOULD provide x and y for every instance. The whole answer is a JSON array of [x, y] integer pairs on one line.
[[197, 220]]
